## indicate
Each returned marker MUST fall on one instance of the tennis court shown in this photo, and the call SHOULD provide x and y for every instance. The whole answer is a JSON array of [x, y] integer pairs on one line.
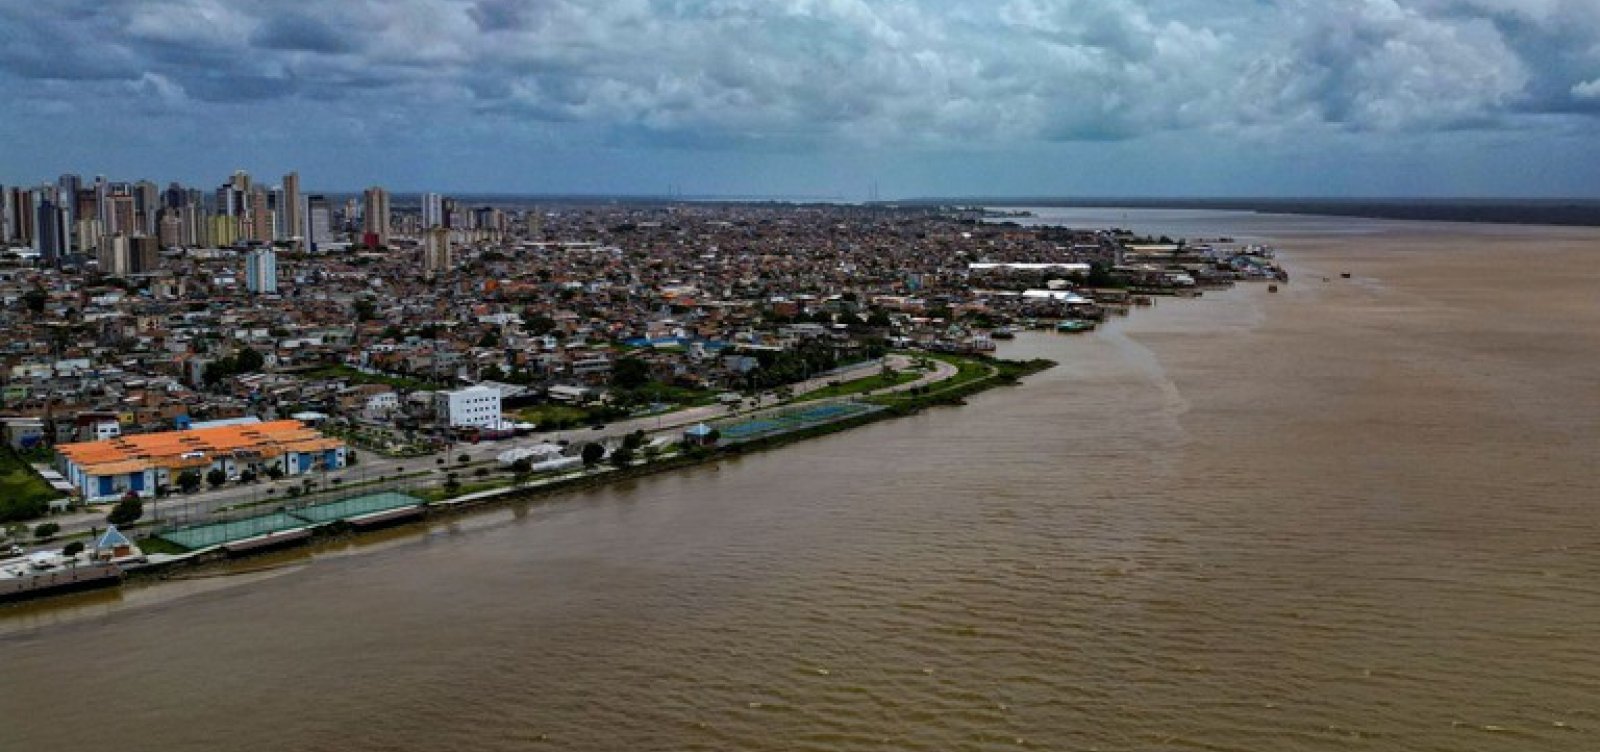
[[356, 506], [793, 419], [206, 536]]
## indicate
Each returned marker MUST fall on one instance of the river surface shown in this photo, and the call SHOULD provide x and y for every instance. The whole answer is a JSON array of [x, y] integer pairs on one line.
[[1357, 514]]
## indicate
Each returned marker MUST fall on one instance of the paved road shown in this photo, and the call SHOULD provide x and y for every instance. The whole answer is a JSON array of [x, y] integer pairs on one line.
[[372, 466]]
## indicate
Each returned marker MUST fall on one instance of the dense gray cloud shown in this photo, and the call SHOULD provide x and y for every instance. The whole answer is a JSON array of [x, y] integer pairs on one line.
[[798, 75]]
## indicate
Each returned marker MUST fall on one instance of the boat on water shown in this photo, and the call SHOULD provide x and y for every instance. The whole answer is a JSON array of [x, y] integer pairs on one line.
[[1074, 326], [1004, 332]]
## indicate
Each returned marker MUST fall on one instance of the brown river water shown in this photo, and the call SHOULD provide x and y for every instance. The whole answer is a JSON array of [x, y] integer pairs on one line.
[[1358, 514]]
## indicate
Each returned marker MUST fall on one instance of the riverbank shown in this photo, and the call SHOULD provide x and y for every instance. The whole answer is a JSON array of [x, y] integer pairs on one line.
[[971, 375]]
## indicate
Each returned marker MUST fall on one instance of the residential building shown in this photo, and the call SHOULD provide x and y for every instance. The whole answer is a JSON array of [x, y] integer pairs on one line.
[[473, 406], [291, 207], [261, 271], [375, 216], [436, 251]]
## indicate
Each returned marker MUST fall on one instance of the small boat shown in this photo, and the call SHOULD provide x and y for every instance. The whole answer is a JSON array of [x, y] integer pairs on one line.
[[1272, 288], [1074, 326], [1344, 275], [1004, 332]]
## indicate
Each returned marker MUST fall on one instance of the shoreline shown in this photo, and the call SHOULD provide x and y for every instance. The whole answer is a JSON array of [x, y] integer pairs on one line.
[[205, 564]]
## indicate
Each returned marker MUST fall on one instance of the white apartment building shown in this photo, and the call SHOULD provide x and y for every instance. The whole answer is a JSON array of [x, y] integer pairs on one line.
[[472, 406]]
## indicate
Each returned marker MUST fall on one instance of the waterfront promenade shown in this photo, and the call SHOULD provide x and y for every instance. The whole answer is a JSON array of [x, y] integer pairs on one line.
[[419, 471]]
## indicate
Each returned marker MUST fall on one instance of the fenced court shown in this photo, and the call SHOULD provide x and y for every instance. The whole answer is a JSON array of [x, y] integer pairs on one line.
[[355, 507], [211, 534], [790, 419], [218, 533]]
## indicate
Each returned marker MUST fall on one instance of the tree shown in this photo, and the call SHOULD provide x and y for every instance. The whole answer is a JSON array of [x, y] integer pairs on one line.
[[216, 371], [592, 454], [46, 530], [539, 324], [633, 440], [73, 549], [36, 299], [127, 510], [464, 458], [216, 477], [351, 459], [248, 476], [248, 361], [451, 484], [189, 480], [622, 457], [521, 470], [630, 373], [365, 309], [275, 471]]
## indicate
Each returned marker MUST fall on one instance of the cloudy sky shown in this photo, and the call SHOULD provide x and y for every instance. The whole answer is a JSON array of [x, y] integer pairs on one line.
[[814, 97]]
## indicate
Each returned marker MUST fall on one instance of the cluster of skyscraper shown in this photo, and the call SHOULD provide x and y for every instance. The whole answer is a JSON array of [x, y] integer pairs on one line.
[[98, 219], [121, 227]]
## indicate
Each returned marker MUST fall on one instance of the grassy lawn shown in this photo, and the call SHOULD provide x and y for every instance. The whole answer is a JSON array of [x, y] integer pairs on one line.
[[547, 414], [160, 546], [968, 370], [657, 392], [859, 386], [22, 493], [357, 377], [441, 493]]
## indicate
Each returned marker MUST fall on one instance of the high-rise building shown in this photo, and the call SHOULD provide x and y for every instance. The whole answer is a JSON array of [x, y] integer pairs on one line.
[[375, 216], [121, 255], [122, 213], [102, 192], [275, 205], [144, 254], [52, 237], [114, 255], [261, 271], [290, 207], [451, 215], [19, 206], [89, 234], [223, 231], [86, 205], [436, 258], [171, 234], [192, 226], [146, 201], [67, 187], [432, 211], [319, 223], [258, 218]]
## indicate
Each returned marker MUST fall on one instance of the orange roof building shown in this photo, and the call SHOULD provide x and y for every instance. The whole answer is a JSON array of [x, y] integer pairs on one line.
[[142, 462]]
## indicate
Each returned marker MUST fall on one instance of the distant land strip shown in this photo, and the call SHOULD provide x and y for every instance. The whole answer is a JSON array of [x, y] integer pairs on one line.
[[1573, 212]]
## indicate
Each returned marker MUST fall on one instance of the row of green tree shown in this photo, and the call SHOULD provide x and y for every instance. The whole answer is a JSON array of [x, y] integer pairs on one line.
[[243, 362]]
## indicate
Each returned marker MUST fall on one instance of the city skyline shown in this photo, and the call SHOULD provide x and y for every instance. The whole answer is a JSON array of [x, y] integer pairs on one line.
[[811, 98]]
